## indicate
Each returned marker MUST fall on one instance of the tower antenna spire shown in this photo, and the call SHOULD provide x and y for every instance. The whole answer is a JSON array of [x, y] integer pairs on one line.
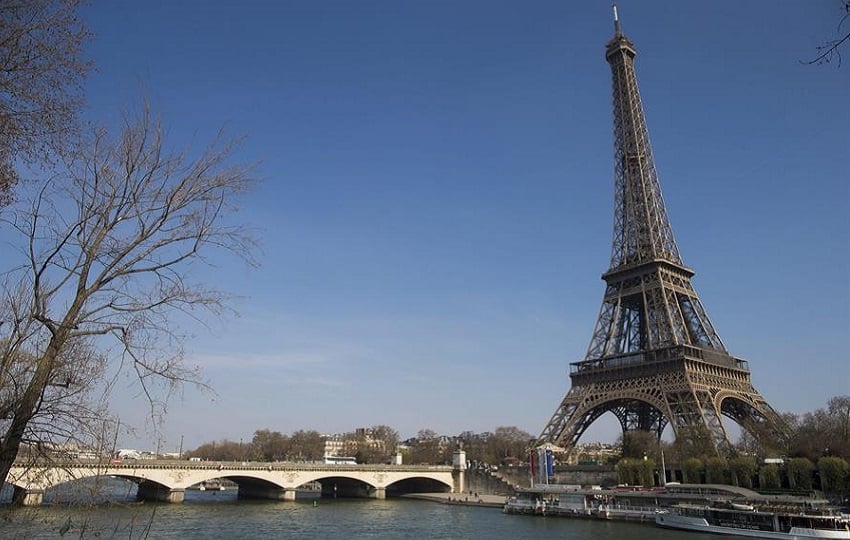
[[617, 29]]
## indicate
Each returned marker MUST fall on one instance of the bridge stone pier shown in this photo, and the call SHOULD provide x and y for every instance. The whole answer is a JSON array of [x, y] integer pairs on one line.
[[151, 491], [167, 481], [459, 470], [265, 491]]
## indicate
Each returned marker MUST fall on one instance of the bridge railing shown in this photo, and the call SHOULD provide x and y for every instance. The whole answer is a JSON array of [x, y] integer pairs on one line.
[[225, 465]]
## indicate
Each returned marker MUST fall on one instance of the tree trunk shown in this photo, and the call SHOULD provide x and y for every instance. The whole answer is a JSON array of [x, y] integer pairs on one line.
[[27, 408]]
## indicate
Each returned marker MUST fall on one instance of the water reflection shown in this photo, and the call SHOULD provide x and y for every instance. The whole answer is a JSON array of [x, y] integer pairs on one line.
[[207, 514]]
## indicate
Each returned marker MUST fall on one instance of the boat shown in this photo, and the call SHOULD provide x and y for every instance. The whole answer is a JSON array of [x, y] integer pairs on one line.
[[621, 503], [756, 522], [216, 484], [661, 506]]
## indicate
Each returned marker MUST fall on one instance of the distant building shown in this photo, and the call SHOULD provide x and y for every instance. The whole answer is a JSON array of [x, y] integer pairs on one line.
[[593, 453], [349, 444], [335, 445]]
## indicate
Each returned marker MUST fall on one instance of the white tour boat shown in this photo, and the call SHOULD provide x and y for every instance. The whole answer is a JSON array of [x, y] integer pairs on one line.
[[740, 520]]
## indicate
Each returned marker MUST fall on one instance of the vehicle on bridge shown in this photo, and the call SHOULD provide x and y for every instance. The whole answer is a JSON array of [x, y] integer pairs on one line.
[[340, 460], [128, 453]]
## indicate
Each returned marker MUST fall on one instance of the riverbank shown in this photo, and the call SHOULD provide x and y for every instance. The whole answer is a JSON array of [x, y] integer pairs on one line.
[[464, 499]]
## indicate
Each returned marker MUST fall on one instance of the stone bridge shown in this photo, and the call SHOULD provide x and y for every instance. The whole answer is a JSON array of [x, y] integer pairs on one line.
[[167, 480]]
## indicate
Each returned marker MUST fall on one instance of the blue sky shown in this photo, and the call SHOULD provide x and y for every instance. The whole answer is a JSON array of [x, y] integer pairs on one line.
[[436, 201]]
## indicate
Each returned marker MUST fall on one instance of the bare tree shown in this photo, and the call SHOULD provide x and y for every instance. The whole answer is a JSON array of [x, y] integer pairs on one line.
[[509, 441], [268, 445], [387, 439], [426, 448], [106, 262], [306, 445], [639, 443], [372, 445], [41, 72], [823, 431], [223, 450]]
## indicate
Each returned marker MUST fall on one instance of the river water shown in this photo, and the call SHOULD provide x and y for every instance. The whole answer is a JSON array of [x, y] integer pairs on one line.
[[219, 515]]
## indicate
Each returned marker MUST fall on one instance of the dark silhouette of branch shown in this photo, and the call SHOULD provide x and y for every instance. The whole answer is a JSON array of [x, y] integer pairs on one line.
[[831, 49], [42, 70]]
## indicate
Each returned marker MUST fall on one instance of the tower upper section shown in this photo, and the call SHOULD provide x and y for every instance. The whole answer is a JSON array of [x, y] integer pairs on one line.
[[642, 232]]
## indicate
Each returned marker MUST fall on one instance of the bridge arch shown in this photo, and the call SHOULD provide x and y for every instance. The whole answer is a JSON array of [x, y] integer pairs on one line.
[[419, 484], [95, 489]]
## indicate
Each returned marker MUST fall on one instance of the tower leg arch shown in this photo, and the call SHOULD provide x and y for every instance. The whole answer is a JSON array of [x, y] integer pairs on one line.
[[635, 409], [756, 417]]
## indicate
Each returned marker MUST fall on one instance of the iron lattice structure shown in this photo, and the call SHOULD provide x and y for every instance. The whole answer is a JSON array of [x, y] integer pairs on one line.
[[654, 358]]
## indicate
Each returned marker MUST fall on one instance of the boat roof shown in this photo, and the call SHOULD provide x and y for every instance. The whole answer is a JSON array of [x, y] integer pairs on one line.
[[683, 491]]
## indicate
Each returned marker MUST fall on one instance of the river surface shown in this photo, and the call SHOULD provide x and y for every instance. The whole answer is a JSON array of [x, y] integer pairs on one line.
[[219, 515]]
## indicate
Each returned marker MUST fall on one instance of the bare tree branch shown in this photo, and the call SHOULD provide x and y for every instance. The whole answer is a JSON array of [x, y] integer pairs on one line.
[[109, 259], [41, 75], [831, 49]]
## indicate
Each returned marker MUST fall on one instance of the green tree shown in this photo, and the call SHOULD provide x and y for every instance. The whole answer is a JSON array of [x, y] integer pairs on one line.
[[628, 471], [715, 470], [646, 470], [769, 476], [800, 473], [834, 473], [636, 472], [743, 468], [691, 469]]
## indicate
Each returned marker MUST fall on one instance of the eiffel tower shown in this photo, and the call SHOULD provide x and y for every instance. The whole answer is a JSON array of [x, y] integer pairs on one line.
[[654, 358]]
